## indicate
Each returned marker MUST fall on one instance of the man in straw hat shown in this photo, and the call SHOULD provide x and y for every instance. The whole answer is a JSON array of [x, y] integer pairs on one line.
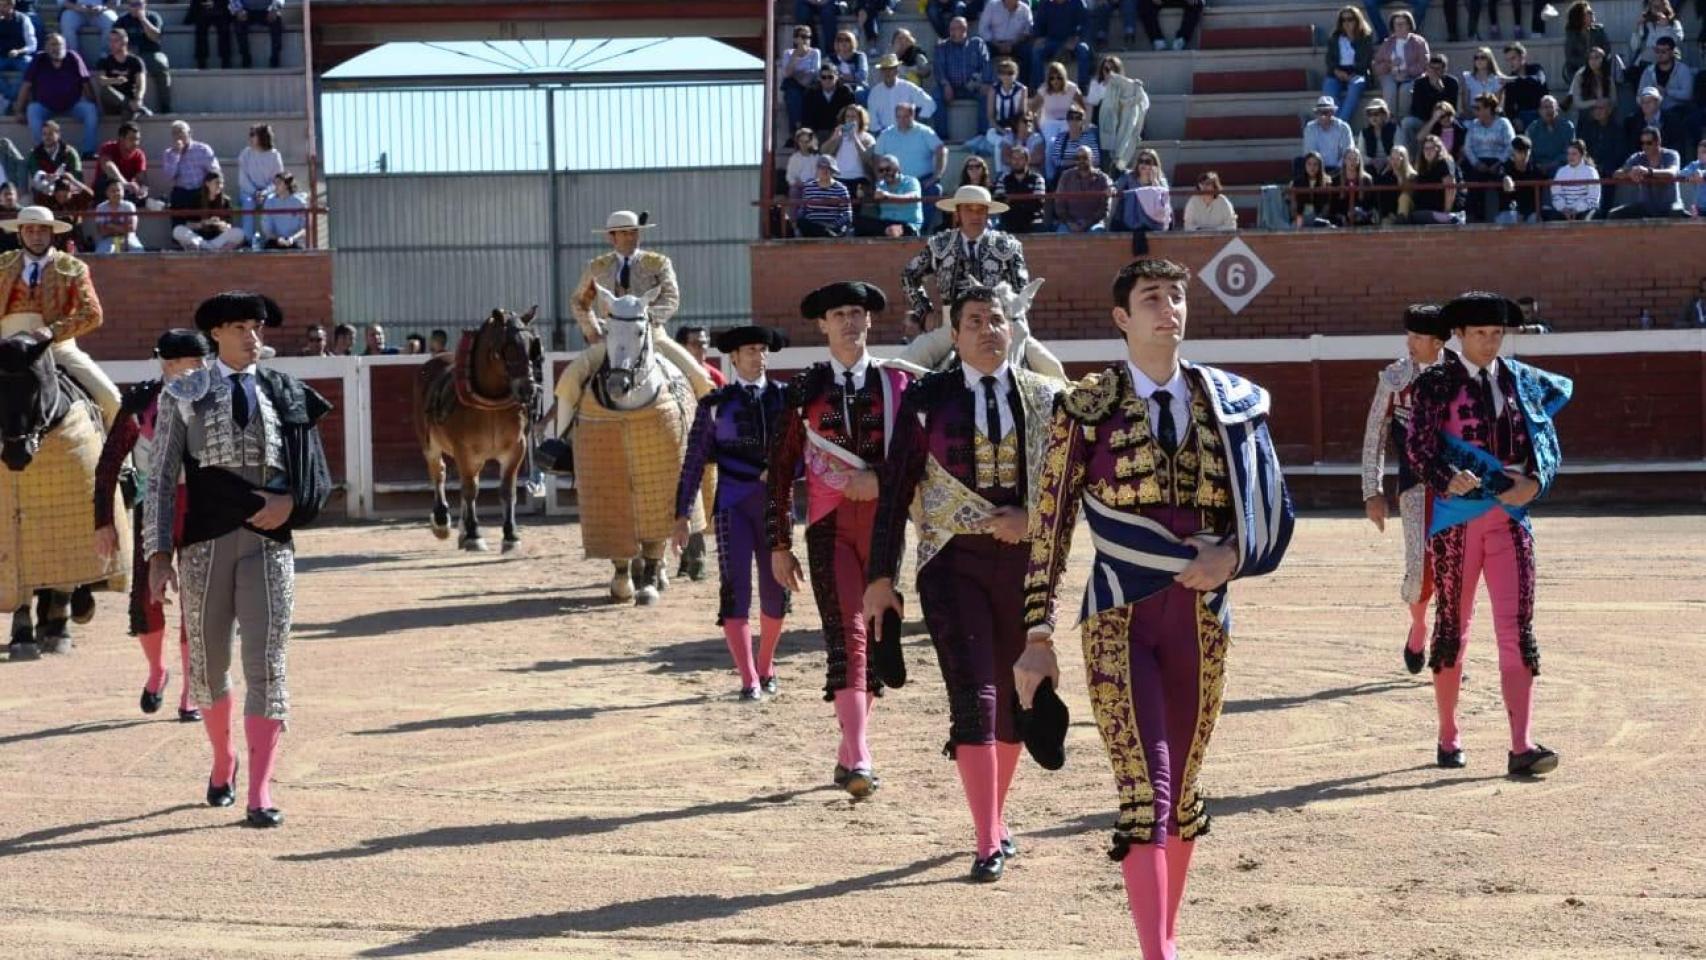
[[1389, 418], [969, 442], [735, 428], [890, 91], [1483, 440], [50, 293], [625, 271], [838, 419], [972, 255], [1177, 476]]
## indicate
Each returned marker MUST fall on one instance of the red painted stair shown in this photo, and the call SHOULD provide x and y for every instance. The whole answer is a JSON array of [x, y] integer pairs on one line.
[[1236, 173], [1250, 81], [1242, 128], [1264, 38]]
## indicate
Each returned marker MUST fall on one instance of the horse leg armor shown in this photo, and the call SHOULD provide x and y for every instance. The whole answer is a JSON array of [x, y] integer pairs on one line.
[[52, 613], [621, 582], [23, 645]]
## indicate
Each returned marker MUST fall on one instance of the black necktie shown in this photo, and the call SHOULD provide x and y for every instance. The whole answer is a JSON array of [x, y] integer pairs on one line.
[[847, 391], [1166, 431], [1500, 435], [35, 274], [763, 428], [622, 276], [991, 411], [239, 401]]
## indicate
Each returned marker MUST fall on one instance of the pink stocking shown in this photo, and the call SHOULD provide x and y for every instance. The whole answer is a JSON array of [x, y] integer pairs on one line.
[[1418, 626], [852, 709], [769, 635], [1178, 869], [739, 638], [1517, 683], [1007, 764], [184, 701], [978, 774], [1447, 684], [1145, 870], [216, 720], [263, 737], [152, 642]]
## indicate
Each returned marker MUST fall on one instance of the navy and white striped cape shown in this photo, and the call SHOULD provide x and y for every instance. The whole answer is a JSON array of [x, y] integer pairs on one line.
[[1137, 557]]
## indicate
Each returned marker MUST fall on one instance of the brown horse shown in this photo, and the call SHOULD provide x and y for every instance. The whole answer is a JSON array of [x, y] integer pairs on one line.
[[476, 405]]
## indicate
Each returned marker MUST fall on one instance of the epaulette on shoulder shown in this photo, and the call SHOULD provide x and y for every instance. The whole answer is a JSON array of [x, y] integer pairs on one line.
[[69, 266], [1092, 399], [924, 392], [808, 384], [720, 395], [652, 259], [138, 396]]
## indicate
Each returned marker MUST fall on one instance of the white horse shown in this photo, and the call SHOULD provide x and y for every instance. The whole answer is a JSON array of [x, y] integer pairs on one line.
[[630, 440], [935, 350]]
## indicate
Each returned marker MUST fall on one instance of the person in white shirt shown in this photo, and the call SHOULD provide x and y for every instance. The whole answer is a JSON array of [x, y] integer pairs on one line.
[[1575, 187], [115, 222], [890, 90], [1208, 208]]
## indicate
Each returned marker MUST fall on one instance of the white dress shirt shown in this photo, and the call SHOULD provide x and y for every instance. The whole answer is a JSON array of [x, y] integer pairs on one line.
[[1492, 374], [859, 368], [35, 267], [248, 372], [1176, 388], [1003, 383], [1001, 25], [758, 384], [881, 100]]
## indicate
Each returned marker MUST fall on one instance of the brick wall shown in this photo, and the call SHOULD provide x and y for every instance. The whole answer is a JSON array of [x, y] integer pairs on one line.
[[143, 294], [1332, 282]]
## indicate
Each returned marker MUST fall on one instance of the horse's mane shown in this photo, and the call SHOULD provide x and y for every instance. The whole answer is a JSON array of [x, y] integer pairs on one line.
[[19, 357]]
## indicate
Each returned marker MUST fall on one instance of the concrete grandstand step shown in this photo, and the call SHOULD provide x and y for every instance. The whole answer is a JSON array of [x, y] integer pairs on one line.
[[1241, 127], [178, 42], [172, 12], [1257, 38]]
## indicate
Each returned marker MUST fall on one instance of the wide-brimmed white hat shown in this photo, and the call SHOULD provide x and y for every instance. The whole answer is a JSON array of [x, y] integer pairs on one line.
[[35, 217], [626, 220], [972, 195]]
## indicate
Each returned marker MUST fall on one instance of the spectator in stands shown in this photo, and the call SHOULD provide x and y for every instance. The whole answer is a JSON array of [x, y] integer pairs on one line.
[[828, 207], [144, 28], [1005, 27], [941, 13], [1358, 204], [1062, 27], [1482, 77], [1658, 22], [17, 49], [1146, 201], [1450, 131], [211, 227], [914, 65], [257, 165], [1149, 12], [1053, 99], [802, 166], [8, 210], [376, 342], [1086, 196], [870, 14], [69, 200], [1694, 311], [898, 211], [343, 340], [974, 172], [215, 15], [696, 340], [962, 73], [438, 341], [1671, 77], [851, 145], [1379, 135], [1102, 19], [1525, 86], [1314, 203], [187, 163], [822, 107], [1551, 135], [850, 62], [1121, 106], [1651, 113], [249, 14], [74, 15], [1063, 149], [890, 91], [1607, 147], [1486, 152], [1327, 136], [1582, 33], [1208, 208], [1003, 100], [1519, 203], [1575, 187], [1349, 56], [1395, 204], [315, 345], [1436, 171], [1401, 60], [819, 16], [1435, 87], [115, 222], [57, 84], [1022, 189], [284, 216], [1023, 134], [123, 161], [1693, 176], [415, 345], [921, 154], [50, 158], [121, 80], [800, 70], [1593, 84], [1651, 174]]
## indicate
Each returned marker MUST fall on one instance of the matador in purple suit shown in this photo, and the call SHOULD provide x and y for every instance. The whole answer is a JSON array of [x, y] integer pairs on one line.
[[735, 427]]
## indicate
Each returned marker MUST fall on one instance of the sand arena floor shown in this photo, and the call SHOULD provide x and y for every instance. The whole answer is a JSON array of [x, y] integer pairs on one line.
[[488, 759]]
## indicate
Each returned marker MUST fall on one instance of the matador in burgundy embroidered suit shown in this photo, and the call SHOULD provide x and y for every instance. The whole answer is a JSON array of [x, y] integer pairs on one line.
[[838, 421], [1483, 439]]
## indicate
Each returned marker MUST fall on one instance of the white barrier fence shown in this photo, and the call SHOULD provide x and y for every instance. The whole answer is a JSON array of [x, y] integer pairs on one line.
[[356, 410]]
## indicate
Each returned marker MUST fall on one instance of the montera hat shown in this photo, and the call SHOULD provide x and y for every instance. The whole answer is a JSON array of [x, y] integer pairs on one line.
[[626, 220], [35, 217], [1423, 318], [732, 339], [1477, 308], [1044, 726], [846, 293], [972, 195], [181, 344], [232, 306]]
